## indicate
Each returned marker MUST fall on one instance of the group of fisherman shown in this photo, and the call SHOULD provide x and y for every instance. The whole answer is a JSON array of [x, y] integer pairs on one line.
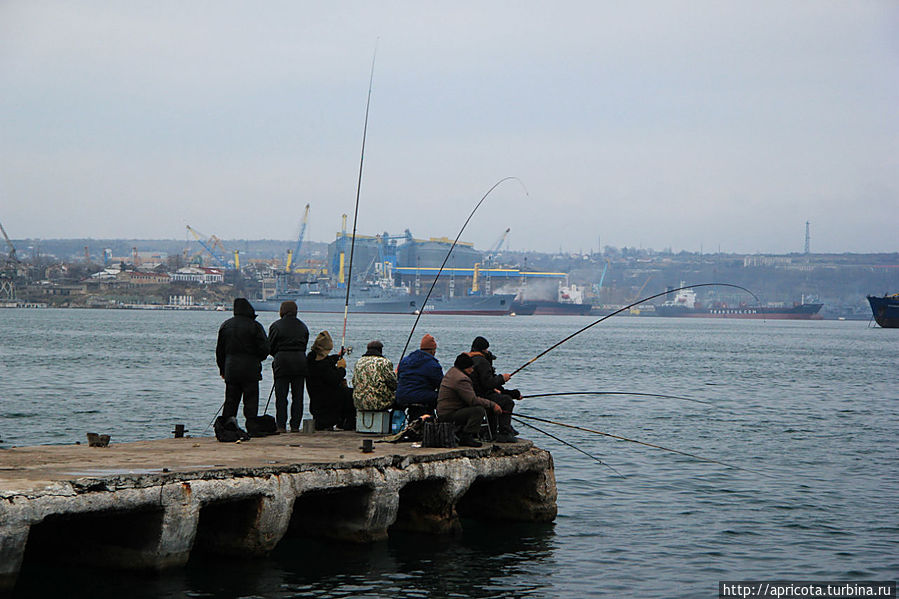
[[467, 395]]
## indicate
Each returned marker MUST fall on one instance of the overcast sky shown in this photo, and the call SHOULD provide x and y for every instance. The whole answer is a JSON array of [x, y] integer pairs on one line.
[[682, 125]]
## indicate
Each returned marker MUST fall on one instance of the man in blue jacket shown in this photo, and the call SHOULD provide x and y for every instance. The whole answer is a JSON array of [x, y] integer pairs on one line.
[[419, 376]]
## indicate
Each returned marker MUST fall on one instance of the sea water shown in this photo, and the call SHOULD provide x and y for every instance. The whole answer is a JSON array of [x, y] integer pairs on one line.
[[809, 409]]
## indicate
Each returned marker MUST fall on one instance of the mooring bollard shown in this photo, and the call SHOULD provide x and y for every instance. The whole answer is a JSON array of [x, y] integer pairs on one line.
[[179, 431]]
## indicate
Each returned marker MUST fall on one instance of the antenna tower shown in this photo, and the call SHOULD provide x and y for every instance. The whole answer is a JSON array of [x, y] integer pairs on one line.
[[806, 239]]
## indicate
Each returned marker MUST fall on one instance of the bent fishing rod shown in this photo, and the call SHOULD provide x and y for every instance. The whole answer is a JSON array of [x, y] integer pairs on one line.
[[614, 393], [452, 247], [564, 442], [619, 311], [620, 438], [349, 280]]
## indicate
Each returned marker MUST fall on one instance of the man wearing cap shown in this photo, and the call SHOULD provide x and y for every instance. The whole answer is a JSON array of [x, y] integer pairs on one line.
[[287, 339], [488, 384], [458, 403], [418, 378], [374, 380]]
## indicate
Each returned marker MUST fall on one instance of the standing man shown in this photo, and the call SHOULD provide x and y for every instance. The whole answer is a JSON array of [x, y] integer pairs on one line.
[[374, 380], [287, 339], [239, 352], [458, 403], [418, 378]]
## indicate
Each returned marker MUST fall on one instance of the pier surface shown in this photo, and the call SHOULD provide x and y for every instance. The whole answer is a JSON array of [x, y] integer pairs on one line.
[[151, 504]]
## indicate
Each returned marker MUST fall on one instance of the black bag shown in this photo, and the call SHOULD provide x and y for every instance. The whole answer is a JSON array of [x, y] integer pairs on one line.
[[227, 430], [438, 434], [262, 426]]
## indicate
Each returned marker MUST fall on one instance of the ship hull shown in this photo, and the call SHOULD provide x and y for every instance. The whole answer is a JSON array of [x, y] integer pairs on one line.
[[541, 307], [800, 312], [885, 310], [494, 305]]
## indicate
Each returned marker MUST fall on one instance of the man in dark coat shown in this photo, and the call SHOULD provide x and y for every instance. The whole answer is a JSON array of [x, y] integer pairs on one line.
[[489, 385], [458, 403], [418, 378], [330, 399], [287, 339], [239, 352]]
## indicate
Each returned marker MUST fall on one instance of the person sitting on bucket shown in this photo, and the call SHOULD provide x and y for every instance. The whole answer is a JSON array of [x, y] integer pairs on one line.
[[374, 380], [489, 385], [418, 378], [458, 403]]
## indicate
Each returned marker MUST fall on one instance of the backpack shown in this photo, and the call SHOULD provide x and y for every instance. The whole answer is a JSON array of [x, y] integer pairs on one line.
[[262, 426], [227, 430]]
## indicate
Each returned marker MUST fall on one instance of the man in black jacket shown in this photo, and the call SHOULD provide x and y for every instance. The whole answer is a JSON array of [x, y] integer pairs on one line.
[[489, 385], [287, 339], [239, 352]]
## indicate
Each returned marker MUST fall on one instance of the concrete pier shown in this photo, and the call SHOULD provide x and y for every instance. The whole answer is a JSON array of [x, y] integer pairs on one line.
[[151, 504]]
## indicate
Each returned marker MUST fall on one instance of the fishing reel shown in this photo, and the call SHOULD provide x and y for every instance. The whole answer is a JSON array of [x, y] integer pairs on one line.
[[345, 351]]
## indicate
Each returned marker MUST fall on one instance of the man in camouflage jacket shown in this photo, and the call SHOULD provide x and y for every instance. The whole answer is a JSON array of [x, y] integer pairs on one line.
[[374, 380]]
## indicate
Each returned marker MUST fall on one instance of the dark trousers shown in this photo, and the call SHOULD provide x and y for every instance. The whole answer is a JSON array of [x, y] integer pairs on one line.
[[234, 391], [502, 423], [336, 410], [295, 386], [468, 419]]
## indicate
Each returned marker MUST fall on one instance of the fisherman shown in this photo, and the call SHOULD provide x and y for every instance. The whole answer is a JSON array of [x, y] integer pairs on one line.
[[330, 399], [287, 339], [239, 351], [418, 378], [458, 403], [489, 385], [374, 380]]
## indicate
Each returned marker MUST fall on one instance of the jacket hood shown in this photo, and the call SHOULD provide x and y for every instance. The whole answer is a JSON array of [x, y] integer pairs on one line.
[[242, 307], [419, 356]]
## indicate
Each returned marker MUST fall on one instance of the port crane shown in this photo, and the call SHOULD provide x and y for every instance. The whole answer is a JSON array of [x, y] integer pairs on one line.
[[295, 255], [209, 245], [12, 249], [489, 259]]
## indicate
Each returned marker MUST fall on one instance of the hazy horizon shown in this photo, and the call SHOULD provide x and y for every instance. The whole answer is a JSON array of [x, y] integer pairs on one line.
[[682, 125]]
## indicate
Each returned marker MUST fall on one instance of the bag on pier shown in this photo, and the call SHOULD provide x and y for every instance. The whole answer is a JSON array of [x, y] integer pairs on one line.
[[262, 426], [439, 434], [227, 430]]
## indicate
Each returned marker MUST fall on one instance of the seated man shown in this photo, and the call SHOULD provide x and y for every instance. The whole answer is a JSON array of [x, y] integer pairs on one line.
[[458, 403], [489, 385], [330, 400], [418, 378], [374, 380]]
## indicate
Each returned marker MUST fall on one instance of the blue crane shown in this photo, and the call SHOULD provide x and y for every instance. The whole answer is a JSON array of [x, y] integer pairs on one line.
[[210, 246], [295, 255]]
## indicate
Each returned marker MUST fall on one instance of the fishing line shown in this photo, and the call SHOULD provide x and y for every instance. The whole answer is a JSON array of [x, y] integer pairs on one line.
[[563, 442], [349, 281], [590, 430], [452, 247], [614, 393], [619, 311]]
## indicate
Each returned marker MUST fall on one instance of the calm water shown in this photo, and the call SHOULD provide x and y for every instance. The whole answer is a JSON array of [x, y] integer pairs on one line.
[[813, 405]]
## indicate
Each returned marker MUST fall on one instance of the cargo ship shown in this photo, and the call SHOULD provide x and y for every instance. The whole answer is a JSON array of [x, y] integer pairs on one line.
[[569, 302], [384, 299], [685, 304], [885, 310]]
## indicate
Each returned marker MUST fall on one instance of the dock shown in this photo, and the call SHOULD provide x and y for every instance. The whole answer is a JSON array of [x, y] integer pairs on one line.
[[150, 505]]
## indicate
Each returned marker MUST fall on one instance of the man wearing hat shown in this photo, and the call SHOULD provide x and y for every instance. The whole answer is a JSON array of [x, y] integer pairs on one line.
[[488, 384], [330, 399], [374, 380], [418, 378], [458, 403]]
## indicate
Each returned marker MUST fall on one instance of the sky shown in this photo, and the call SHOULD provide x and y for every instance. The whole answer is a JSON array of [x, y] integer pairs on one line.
[[686, 125]]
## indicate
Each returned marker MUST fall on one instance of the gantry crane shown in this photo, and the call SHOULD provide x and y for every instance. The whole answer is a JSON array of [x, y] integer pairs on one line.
[[295, 255], [210, 246]]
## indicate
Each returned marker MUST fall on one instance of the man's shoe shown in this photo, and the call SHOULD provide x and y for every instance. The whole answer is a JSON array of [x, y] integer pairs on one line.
[[505, 438], [281, 429], [468, 440]]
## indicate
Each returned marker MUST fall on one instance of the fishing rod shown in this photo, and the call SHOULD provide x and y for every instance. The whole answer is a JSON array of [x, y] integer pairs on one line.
[[590, 430], [349, 281], [452, 247], [563, 442], [214, 417], [619, 311], [613, 393]]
